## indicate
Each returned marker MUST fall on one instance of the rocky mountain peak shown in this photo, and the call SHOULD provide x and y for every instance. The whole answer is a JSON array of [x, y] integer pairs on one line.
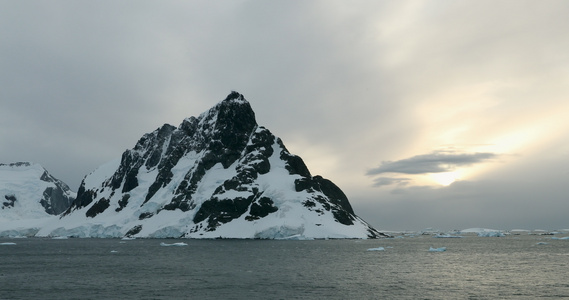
[[218, 174]]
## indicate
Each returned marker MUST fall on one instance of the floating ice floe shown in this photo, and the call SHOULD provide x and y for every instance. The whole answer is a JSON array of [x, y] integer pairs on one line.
[[114, 251], [59, 238], [542, 243], [7, 244], [173, 244], [376, 249], [128, 238], [560, 238], [441, 249]]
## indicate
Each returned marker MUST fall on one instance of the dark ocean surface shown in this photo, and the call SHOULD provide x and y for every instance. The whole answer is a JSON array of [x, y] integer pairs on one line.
[[512, 267]]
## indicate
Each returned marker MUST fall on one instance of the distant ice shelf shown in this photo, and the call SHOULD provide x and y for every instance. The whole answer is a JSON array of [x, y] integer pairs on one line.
[[484, 232]]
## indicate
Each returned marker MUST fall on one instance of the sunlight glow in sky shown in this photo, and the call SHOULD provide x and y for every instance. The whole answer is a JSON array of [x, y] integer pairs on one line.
[[445, 178]]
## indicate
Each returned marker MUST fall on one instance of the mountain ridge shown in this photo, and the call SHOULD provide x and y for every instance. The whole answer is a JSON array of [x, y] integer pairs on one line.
[[216, 175]]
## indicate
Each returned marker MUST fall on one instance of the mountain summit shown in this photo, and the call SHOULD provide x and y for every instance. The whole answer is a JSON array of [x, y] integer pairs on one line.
[[217, 175]]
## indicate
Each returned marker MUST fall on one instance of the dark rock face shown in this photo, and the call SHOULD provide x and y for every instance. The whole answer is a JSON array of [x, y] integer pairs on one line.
[[10, 200], [133, 231], [97, 208], [83, 199], [335, 200], [55, 199], [227, 137]]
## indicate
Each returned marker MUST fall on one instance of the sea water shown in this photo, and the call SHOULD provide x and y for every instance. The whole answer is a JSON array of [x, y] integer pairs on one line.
[[511, 267]]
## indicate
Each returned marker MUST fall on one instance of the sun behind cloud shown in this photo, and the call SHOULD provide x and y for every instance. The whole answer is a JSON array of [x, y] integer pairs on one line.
[[441, 167], [444, 178]]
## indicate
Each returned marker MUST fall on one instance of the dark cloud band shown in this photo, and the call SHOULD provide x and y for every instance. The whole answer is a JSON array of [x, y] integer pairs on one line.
[[436, 162], [381, 181]]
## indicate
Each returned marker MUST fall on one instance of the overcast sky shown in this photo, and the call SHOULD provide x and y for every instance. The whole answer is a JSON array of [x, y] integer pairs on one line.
[[444, 114]]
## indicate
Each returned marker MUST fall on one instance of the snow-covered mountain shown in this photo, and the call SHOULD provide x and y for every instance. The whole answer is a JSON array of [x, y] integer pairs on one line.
[[29, 192], [217, 175]]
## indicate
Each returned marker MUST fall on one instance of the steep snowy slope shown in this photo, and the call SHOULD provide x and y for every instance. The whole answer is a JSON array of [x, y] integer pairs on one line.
[[217, 175], [28, 193]]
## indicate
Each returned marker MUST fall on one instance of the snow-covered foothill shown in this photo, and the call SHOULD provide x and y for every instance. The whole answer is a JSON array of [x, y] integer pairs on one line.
[[29, 197]]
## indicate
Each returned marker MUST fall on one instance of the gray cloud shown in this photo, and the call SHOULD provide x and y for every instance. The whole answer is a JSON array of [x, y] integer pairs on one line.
[[499, 203], [381, 181], [436, 162]]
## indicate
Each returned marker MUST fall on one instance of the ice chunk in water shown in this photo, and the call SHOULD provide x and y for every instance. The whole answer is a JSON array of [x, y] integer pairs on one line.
[[441, 249], [174, 244], [376, 249]]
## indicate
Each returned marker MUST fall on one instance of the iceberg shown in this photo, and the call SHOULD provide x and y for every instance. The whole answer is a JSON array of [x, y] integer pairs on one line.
[[7, 244], [441, 249], [376, 249], [491, 234], [173, 244], [560, 238]]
